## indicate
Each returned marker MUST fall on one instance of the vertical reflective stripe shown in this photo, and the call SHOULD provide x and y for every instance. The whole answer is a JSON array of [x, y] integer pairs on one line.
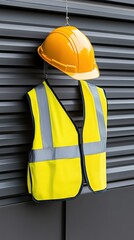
[[44, 116], [99, 111]]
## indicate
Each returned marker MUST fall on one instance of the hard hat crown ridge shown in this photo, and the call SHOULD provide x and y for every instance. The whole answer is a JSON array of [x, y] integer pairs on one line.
[[70, 51]]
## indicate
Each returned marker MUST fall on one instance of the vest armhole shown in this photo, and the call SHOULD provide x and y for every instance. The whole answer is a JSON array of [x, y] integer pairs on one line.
[[28, 102], [106, 100]]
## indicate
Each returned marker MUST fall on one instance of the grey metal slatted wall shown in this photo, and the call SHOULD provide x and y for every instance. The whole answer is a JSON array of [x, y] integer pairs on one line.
[[23, 26]]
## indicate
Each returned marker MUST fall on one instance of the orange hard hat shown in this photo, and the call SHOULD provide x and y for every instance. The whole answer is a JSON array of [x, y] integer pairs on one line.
[[69, 50]]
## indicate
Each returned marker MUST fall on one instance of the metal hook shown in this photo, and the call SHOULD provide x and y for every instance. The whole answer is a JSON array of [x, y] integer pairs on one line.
[[67, 17]]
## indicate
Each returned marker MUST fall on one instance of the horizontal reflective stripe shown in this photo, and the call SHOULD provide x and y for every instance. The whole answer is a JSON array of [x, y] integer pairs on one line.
[[95, 147], [54, 153]]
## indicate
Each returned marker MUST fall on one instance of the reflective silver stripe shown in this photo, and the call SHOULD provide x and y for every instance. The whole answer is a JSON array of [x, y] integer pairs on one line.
[[54, 154], [94, 147], [99, 111], [45, 122], [100, 146]]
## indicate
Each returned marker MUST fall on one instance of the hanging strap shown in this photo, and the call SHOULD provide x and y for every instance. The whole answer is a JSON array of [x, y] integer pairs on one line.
[[67, 15], [45, 71]]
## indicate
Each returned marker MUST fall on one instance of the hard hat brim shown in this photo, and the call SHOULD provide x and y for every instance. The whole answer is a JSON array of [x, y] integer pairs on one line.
[[87, 75], [77, 76]]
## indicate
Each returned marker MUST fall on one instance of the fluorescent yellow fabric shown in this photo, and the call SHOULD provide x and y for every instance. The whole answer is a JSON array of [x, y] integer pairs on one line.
[[96, 171], [37, 142], [95, 164], [56, 179], [90, 130], [63, 130]]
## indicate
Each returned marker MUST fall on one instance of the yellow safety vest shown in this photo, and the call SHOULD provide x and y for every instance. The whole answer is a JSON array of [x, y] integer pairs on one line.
[[60, 155]]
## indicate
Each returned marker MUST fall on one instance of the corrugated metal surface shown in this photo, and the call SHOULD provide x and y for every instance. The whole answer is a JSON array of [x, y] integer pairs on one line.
[[110, 27]]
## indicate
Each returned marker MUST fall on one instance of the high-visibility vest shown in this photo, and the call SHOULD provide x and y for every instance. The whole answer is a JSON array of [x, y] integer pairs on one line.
[[61, 155]]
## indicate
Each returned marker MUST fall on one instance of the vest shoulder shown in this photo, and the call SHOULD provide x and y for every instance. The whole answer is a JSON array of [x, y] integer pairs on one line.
[[40, 86]]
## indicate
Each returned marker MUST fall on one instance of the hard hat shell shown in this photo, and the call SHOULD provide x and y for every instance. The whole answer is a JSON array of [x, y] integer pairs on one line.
[[69, 50]]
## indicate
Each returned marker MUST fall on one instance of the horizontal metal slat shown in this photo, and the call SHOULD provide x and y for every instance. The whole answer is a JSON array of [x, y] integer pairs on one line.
[[115, 52], [12, 187], [122, 1], [14, 118], [101, 10], [116, 73], [18, 45], [14, 200], [120, 104], [19, 70], [120, 120], [22, 31], [114, 81], [16, 93], [14, 149], [67, 93], [13, 162], [120, 150], [12, 107], [115, 93], [107, 63], [120, 141], [120, 161], [14, 127], [12, 175], [117, 173], [120, 131], [21, 76], [110, 38], [15, 139], [17, 59]]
